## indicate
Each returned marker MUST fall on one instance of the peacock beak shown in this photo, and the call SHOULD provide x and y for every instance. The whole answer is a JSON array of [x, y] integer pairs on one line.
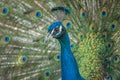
[[48, 36]]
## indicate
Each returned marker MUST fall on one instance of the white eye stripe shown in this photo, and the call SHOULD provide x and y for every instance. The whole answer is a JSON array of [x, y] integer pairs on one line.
[[60, 30], [52, 32]]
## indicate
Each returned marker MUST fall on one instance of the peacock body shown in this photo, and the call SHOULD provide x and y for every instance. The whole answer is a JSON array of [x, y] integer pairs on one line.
[[87, 44]]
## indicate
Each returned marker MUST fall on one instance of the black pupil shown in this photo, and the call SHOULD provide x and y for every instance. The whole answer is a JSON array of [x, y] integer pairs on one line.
[[56, 29]]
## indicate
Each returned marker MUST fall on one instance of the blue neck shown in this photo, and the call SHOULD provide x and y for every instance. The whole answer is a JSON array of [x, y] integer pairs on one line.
[[68, 63]]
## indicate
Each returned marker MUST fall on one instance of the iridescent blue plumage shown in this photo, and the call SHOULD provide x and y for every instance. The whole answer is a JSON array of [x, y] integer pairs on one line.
[[53, 25], [68, 63]]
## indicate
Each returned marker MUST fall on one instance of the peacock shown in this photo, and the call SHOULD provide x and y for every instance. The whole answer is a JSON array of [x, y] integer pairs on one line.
[[59, 39]]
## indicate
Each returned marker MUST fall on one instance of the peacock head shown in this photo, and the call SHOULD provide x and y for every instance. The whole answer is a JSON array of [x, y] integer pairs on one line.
[[55, 30]]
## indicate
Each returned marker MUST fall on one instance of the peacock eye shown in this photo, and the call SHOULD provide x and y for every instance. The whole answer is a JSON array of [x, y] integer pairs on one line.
[[47, 73], [5, 10], [116, 58], [56, 29], [108, 77], [7, 38]]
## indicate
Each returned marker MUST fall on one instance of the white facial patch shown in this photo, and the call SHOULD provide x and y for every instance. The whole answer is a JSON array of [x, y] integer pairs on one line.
[[60, 30], [49, 35]]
